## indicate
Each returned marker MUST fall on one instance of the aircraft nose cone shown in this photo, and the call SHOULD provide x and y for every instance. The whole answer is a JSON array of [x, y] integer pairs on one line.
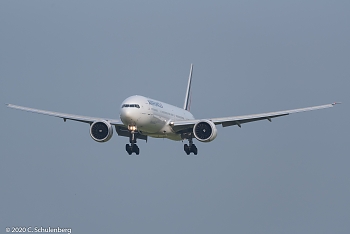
[[126, 116]]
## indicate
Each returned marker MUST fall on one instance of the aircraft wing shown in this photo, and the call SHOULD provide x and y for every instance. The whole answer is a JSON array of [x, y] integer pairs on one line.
[[185, 125], [85, 119]]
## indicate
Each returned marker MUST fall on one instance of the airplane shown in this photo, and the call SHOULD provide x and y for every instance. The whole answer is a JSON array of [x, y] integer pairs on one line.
[[142, 117]]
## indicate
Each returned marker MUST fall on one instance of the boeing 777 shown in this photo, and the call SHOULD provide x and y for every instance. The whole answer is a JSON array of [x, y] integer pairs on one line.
[[143, 117]]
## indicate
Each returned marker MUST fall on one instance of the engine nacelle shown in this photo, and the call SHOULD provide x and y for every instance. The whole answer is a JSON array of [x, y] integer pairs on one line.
[[101, 131], [205, 131]]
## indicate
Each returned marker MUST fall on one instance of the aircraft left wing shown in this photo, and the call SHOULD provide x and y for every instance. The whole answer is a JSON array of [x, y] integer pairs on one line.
[[64, 116], [179, 126]]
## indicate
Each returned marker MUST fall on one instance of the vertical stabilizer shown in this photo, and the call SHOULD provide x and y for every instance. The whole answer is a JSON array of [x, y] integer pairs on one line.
[[188, 92]]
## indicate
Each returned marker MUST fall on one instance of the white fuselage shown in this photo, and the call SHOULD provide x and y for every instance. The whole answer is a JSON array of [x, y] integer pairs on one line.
[[152, 117]]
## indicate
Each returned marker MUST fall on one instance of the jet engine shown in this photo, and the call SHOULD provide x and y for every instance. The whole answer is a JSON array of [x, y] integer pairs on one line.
[[205, 131], [101, 131]]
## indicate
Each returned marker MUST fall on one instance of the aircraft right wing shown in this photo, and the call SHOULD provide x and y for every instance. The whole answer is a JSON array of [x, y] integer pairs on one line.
[[120, 128], [64, 116], [239, 120]]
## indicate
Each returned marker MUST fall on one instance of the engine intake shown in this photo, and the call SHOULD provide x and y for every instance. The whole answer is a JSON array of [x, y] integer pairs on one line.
[[205, 131], [101, 131]]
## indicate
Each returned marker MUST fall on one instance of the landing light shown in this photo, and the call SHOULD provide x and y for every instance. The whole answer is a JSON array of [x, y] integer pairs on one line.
[[132, 128]]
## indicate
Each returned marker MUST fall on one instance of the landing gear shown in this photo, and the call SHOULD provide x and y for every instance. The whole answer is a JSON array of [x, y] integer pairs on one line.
[[191, 148], [132, 148], [186, 149]]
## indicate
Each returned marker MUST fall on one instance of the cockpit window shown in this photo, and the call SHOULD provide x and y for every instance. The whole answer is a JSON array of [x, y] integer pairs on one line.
[[131, 105]]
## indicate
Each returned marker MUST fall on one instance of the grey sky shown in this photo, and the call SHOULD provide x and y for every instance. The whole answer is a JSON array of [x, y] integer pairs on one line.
[[86, 57]]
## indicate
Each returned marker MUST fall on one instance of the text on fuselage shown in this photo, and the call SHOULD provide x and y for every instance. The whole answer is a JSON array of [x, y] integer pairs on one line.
[[153, 103]]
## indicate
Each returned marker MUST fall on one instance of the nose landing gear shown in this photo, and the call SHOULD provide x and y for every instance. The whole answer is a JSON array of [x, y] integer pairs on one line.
[[132, 148]]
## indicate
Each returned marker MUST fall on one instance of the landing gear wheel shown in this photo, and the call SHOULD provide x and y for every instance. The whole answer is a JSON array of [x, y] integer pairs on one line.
[[187, 149], [190, 149], [132, 149], [128, 149], [136, 149], [194, 149]]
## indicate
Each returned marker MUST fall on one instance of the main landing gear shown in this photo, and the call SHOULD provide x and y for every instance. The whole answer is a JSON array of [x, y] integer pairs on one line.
[[190, 148], [132, 148]]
